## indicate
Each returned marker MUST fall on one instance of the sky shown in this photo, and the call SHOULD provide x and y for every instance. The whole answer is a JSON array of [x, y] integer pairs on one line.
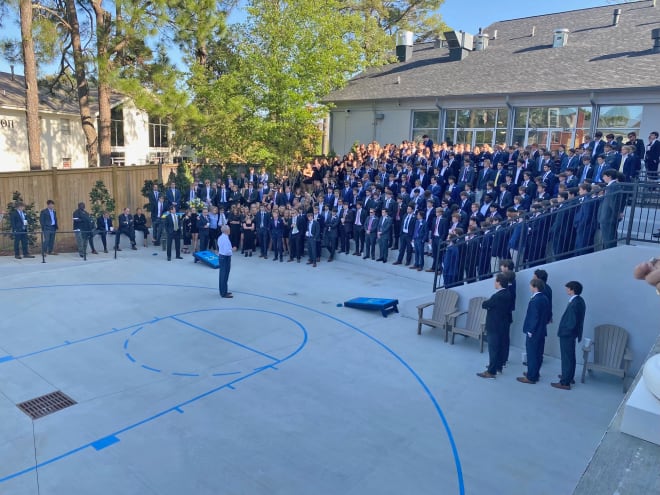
[[481, 13]]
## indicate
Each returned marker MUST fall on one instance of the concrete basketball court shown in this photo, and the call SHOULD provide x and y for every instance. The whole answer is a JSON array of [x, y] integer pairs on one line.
[[276, 391]]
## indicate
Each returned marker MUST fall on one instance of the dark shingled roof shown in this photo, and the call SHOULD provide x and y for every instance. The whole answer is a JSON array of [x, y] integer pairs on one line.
[[12, 94], [598, 56]]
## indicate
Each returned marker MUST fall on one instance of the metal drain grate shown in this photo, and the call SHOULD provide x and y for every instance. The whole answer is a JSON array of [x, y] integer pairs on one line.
[[46, 404]]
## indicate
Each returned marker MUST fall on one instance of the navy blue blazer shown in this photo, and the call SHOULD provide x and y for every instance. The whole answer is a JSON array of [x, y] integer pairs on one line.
[[538, 315]]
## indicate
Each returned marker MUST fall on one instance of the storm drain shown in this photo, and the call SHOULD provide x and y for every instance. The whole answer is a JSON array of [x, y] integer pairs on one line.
[[46, 404]]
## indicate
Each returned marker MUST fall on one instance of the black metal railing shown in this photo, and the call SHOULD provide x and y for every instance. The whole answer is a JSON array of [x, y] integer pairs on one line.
[[628, 213]]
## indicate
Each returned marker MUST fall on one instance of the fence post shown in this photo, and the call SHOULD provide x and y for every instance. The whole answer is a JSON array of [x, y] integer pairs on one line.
[[633, 207]]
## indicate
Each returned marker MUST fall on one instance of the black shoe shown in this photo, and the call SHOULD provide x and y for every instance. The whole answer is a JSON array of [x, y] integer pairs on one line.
[[105, 251], [18, 257], [364, 257], [169, 259], [132, 247], [28, 256], [179, 257]]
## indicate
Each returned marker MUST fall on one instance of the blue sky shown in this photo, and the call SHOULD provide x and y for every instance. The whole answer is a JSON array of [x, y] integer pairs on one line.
[[468, 15]]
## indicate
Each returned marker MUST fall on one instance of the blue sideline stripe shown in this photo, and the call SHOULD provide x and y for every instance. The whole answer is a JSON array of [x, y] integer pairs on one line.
[[4, 359], [149, 368], [104, 442]]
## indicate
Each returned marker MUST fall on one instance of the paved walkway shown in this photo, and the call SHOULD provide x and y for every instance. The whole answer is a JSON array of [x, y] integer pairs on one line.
[[277, 391]]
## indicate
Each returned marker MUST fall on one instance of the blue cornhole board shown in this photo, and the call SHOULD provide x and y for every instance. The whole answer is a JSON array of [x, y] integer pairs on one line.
[[374, 303], [208, 258]]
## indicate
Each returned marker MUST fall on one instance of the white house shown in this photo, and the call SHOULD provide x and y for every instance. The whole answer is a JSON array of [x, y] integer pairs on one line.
[[137, 139]]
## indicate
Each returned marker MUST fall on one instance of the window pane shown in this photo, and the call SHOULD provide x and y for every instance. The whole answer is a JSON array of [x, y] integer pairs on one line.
[[520, 120], [502, 117], [500, 136], [451, 119], [463, 118], [449, 136], [566, 117], [426, 120], [538, 117], [584, 118], [620, 117], [418, 133], [518, 137]]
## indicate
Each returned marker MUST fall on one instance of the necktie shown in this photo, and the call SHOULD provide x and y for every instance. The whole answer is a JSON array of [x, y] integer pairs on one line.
[[464, 174], [371, 222], [175, 222], [407, 222]]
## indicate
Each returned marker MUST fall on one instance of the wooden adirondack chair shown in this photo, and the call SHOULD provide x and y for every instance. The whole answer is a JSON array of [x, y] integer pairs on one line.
[[445, 303], [475, 325], [611, 352]]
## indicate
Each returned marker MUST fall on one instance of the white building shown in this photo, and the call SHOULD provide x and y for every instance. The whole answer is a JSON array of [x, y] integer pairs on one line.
[[136, 139]]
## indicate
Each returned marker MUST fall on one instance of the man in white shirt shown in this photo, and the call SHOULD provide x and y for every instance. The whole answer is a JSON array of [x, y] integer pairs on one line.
[[224, 255]]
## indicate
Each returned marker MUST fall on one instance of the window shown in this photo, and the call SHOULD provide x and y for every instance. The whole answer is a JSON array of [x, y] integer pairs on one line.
[[550, 127], [118, 158], [619, 120], [425, 122], [476, 126], [66, 162], [117, 127], [65, 127], [158, 133]]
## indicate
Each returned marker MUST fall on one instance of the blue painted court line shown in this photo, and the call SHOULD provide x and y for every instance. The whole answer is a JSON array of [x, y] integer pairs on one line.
[[418, 378], [175, 373], [221, 337], [130, 357], [226, 374], [150, 368], [137, 329], [104, 442], [4, 359]]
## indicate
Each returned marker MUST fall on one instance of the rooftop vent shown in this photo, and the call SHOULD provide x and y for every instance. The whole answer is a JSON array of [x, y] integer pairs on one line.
[[615, 17], [481, 42], [560, 38], [655, 34], [459, 43], [404, 45], [494, 35]]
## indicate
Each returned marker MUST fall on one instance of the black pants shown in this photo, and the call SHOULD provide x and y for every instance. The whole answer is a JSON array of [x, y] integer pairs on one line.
[[49, 240], [405, 247], [20, 239], [534, 346], [567, 352], [176, 237], [224, 267], [295, 246], [130, 233]]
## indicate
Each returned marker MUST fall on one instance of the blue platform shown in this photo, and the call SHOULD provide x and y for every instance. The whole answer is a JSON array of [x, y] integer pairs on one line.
[[374, 303], [208, 258]]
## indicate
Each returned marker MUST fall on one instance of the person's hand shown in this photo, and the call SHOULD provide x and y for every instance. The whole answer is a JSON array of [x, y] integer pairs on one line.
[[529, 334], [649, 271]]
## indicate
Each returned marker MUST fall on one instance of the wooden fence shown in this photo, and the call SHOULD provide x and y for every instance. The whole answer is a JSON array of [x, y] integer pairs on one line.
[[69, 187]]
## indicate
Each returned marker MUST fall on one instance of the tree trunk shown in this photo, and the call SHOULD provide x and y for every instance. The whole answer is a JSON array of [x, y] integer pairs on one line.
[[31, 87], [91, 137], [103, 22]]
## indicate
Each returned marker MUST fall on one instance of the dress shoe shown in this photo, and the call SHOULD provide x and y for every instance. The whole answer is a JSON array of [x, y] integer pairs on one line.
[[117, 249], [485, 374], [134, 248], [560, 386], [379, 259], [364, 257], [314, 265], [657, 234], [329, 260], [356, 253], [572, 381], [420, 269], [289, 261], [95, 252], [396, 263], [105, 251], [430, 270], [17, 257], [179, 257], [169, 259], [28, 256], [412, 267], [525, 374], [310, 262], [227, 296], [230, 293], [523, 379]]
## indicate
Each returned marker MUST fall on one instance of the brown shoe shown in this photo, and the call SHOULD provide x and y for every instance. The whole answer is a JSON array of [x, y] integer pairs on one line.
[[523, 379], [525, 375], [430, 270], [419, 269], [560, 386], [572, 381], [485, 374], [95, 252]]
